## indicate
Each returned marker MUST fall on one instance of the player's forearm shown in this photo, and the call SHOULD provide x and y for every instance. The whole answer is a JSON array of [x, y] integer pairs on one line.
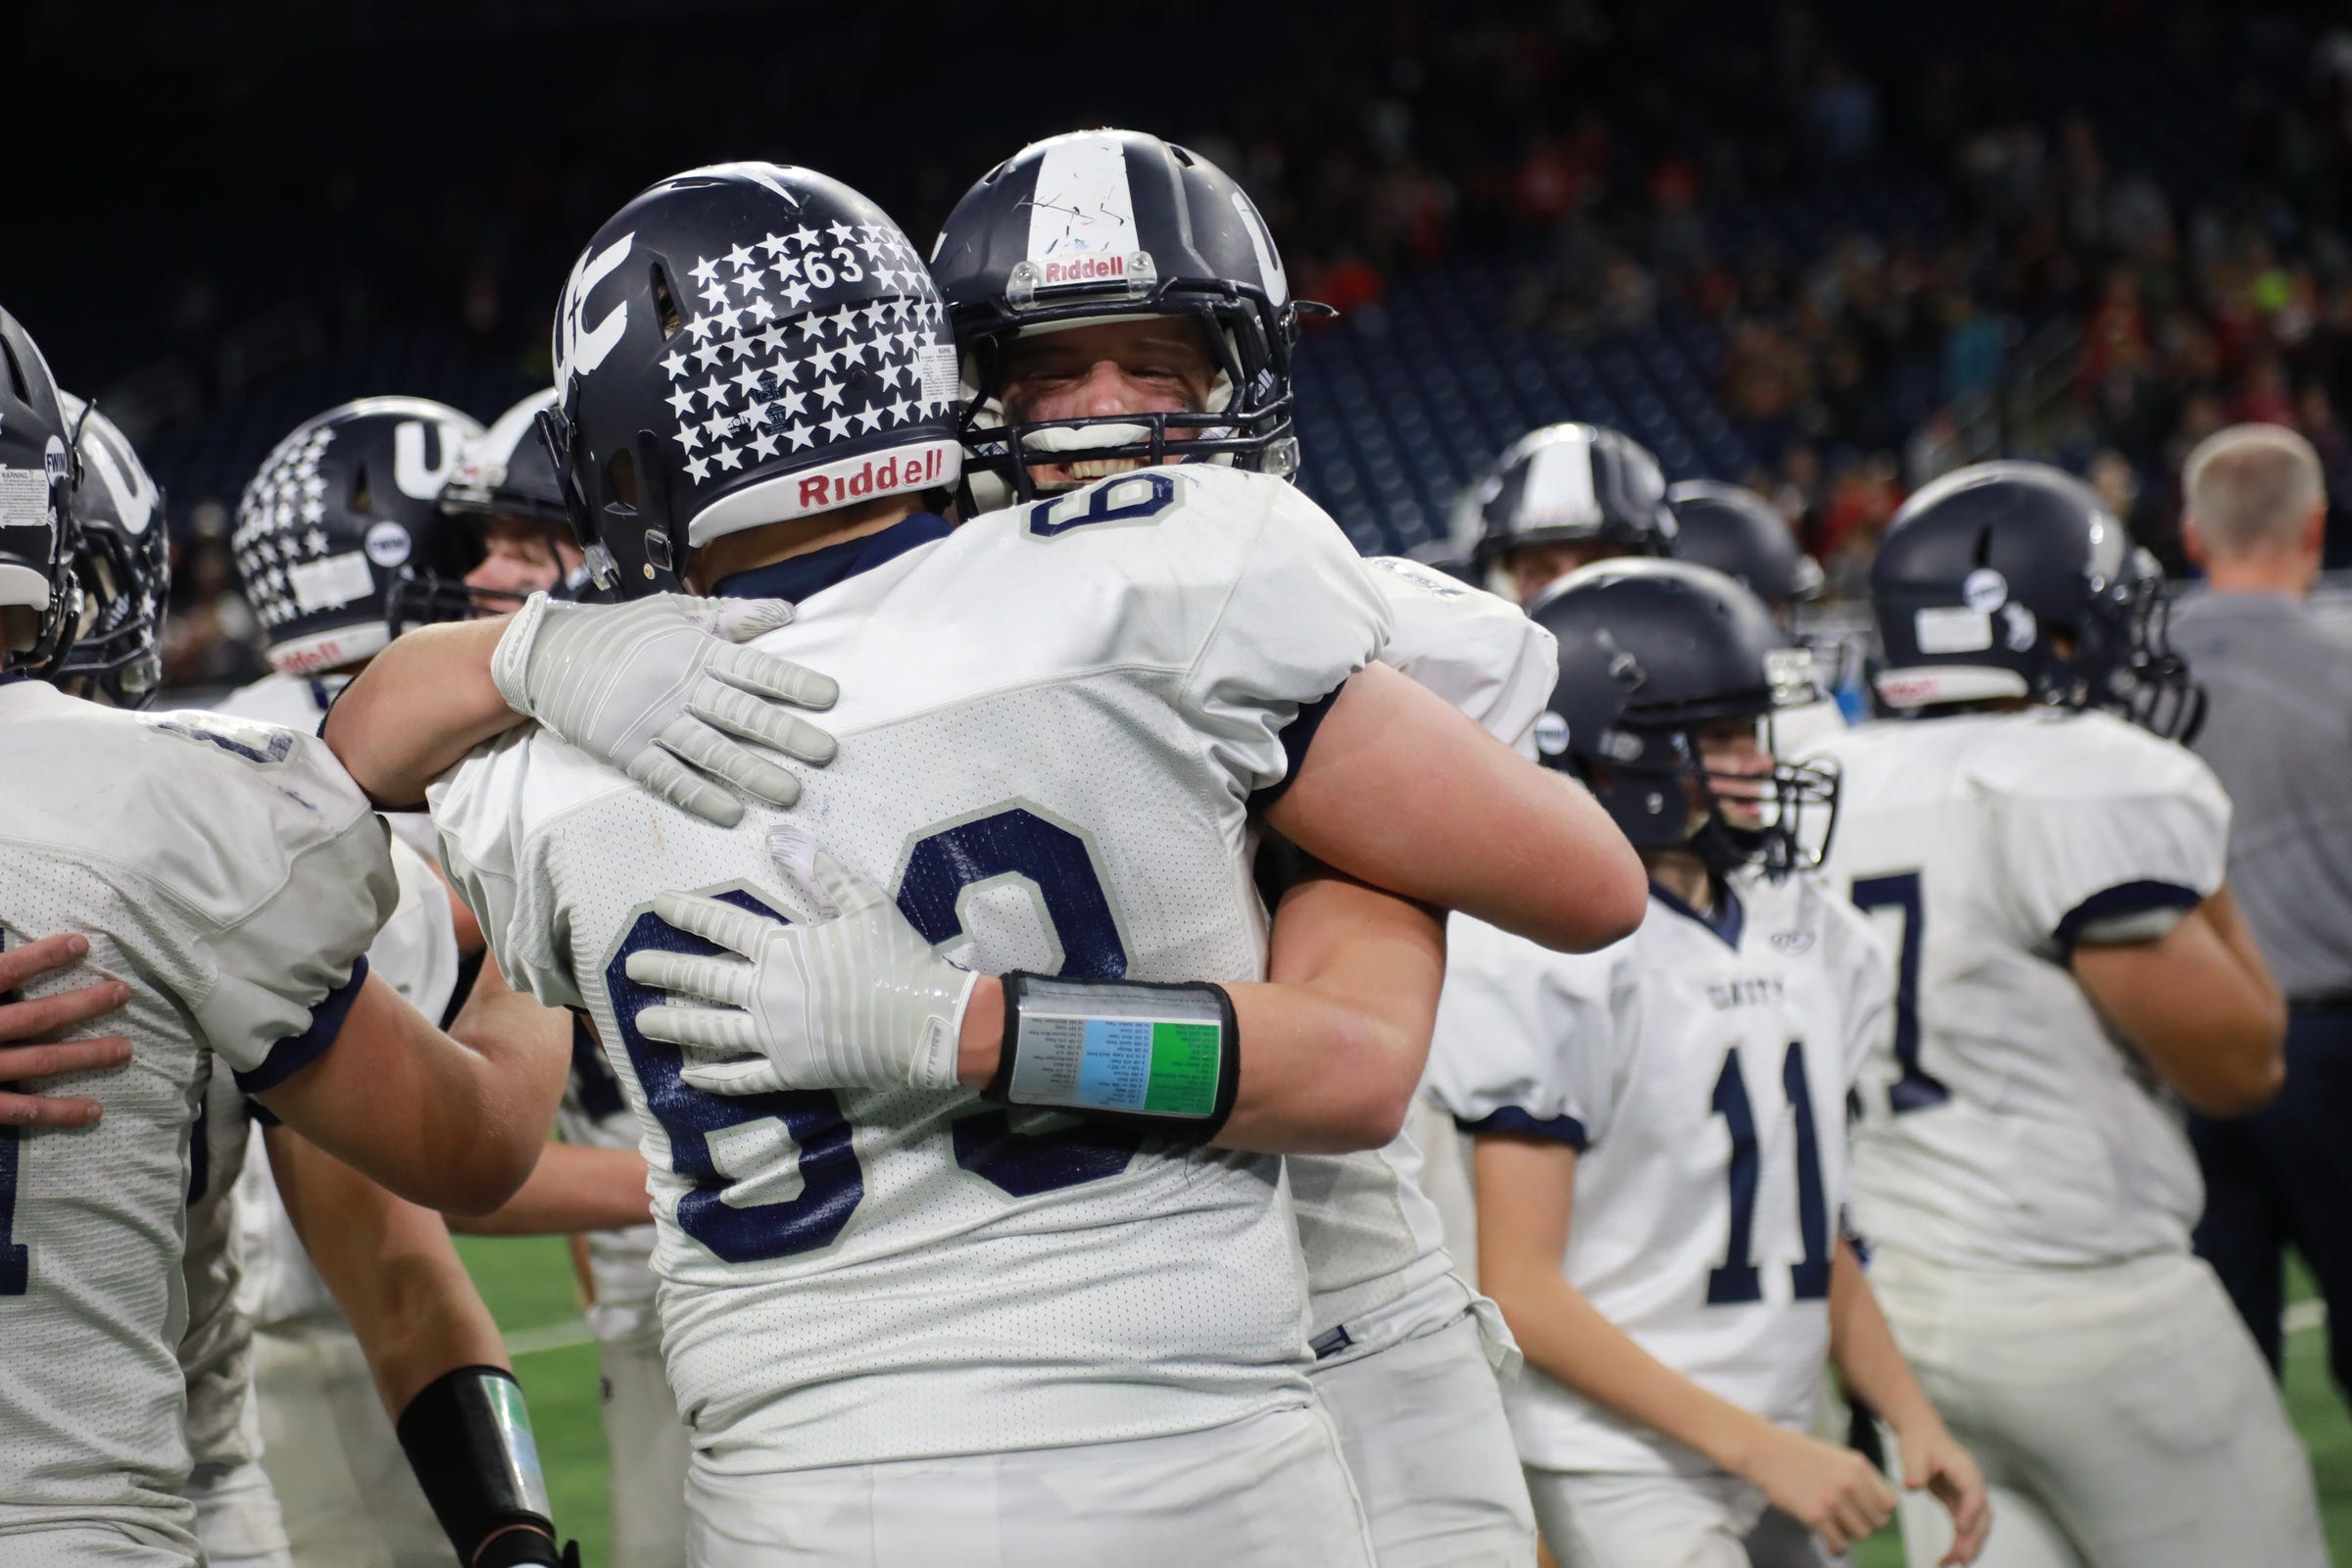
[[572, 1189], [450, 1127], [418, 708], [1405, 793], [391, 1268], [1863, 1350], [1332, 1044], [1562, 1335]]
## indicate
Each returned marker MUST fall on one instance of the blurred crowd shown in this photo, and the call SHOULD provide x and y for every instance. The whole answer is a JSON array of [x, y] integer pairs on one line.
[[2092, 230]]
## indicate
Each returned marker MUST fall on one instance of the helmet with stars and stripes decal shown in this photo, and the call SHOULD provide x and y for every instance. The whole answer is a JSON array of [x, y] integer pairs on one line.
[[340, 506], [743, 345]]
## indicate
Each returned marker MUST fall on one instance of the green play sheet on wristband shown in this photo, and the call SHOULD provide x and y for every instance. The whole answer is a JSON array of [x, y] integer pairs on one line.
[[1184, 1060]]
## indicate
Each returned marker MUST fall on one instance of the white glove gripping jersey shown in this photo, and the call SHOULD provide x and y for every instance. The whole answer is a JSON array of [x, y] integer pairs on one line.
[[2006, 1126], [232, 875], [1702, 1071], [1052, 724], [1371, 1239]]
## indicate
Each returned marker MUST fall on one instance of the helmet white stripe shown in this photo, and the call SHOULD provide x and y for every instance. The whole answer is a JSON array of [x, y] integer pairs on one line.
[[1559, 485], [1082, 205]]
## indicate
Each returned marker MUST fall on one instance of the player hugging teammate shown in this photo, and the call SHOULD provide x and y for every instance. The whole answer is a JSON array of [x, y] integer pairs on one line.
[[1019, 1060]]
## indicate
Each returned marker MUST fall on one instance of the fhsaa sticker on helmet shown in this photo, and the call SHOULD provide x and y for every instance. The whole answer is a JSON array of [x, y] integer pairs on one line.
[[387, 545], [1952, 629], [1984, 589], [330, 583], [1551, 733]]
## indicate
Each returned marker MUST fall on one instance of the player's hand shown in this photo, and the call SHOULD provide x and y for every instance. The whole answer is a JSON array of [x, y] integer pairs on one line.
[[659, 689], [853, 1001], [44, 1016], [1834, 1492], [1934, 1459]]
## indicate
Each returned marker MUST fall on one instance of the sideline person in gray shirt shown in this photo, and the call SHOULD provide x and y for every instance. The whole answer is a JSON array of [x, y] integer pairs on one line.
[[2278, 734]]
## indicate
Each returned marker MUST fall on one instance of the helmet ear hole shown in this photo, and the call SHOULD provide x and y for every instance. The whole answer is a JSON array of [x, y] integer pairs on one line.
[[362, 498], [665, 301], [620, 478], [16, 373]]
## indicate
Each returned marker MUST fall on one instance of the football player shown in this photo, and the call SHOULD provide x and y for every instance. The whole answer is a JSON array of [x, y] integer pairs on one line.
[[340, 525], [2047, 864], [1561, 496], [502, 489], [1126, 1297], [1067, 382], [1659, 1127], [229, 876], [1737, 532]]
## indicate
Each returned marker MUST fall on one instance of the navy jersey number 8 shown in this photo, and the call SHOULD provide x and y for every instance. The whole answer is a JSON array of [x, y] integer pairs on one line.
[[831, 1181], [1012, 842]]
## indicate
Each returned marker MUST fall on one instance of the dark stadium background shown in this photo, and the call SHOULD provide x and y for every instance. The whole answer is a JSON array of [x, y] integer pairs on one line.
[[1830, 249]]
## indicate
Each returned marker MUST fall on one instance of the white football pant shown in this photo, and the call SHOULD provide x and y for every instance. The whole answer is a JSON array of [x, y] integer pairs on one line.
[[2121, 1414], [1422, 1425], [1596, 1520], [342, 1482], [650, 1450], [1272, 1489], [238, 1518]]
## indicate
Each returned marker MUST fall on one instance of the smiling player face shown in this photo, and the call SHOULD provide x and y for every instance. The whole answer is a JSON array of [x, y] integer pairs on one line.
[[1149, 364]]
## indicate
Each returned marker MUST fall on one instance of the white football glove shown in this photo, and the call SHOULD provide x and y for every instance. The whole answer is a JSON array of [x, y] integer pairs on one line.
[[659, 683], [857, 1001]]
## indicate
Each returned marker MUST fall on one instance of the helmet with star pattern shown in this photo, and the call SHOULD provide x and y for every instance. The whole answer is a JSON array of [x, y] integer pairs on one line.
[[743, 345], [341, 506]]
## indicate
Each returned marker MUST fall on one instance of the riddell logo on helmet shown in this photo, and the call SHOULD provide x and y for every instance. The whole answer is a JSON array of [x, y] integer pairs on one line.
[[1906, 691], [1083, 270], [914, 471]]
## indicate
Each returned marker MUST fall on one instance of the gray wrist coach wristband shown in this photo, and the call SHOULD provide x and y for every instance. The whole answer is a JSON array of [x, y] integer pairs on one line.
[[1164, 1059]]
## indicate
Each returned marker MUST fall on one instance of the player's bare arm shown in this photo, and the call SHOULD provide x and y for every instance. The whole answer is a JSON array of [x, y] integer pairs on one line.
[[431, 1342], [30, 1051], [2199, 1004], [658, 688], [1403, 792], [1525, 1199], [573, 1188], [1863, 1350], [452, 1127]]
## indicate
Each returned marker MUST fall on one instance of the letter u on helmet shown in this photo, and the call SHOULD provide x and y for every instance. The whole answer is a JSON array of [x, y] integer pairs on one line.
[[1105, 225], [734, 347], [342, 506], [123, 561]]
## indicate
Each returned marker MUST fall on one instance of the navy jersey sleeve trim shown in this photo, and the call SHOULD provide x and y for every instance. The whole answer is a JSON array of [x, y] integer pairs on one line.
[[1297, 736], [297, 1051], [1527, 1124], [2116, 902]]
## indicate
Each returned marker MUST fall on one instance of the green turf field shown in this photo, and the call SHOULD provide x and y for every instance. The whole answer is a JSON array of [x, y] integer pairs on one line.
[[528, 1284]]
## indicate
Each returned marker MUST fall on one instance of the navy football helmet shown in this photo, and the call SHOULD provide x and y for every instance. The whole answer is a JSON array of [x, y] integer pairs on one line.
[[38, 472], [507, 472], [1650, 652], [124, 563], [2013, 579], [1566, 484], [344, 503], [742, 345], [1735, 530], [1102, 225]]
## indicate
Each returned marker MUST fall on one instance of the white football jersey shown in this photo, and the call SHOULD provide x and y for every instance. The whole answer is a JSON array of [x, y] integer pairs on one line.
[[596, 1114], [1702, 1069], [300, 702], [1371, 1239], [232, 875], [1051, 722], [2005, 1125]]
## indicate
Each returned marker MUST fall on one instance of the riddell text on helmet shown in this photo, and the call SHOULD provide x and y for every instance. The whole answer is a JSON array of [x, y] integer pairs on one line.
[[912, 470], [1083, 270]]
